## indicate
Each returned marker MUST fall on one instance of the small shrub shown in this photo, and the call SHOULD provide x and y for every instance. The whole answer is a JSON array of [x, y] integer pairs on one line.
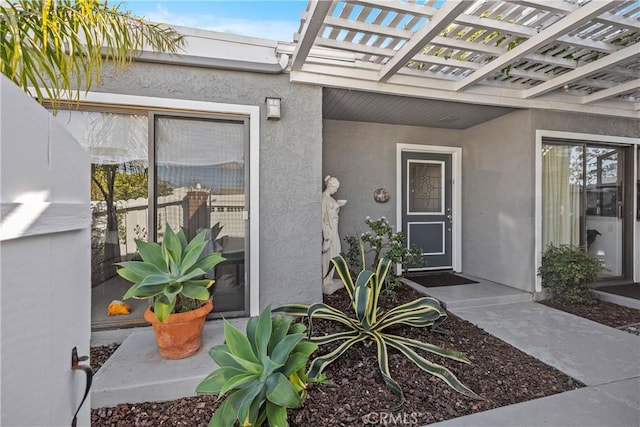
[[372, 324], [568, 271], [262, 371], [381, 241]]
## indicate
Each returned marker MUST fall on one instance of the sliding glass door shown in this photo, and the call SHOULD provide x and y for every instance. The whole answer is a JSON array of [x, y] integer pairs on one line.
[[584, 194], [149, 170], [201, 183]]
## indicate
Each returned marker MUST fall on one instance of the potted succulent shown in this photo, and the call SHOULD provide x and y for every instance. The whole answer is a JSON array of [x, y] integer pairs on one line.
[[171, 275]]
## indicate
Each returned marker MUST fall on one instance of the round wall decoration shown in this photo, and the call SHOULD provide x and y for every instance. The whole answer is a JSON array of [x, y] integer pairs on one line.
[[381, 195]]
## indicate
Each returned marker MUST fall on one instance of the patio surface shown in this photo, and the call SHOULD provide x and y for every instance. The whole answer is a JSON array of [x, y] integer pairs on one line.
[[603, 358]]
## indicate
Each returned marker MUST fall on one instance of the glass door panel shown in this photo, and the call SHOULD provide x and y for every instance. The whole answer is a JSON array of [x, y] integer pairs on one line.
[[583, 199], [604, 222], [426, 184], [200, 185], [117, 145], [562, 184]]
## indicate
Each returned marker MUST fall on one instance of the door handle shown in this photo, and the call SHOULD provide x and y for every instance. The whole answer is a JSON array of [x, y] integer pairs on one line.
[[75, 365]]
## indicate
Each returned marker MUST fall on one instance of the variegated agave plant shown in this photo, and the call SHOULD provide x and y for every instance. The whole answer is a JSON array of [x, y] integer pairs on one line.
[[370, 325]]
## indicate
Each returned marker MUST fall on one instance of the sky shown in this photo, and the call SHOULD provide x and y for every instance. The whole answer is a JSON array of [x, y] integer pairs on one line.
[[268, 19]]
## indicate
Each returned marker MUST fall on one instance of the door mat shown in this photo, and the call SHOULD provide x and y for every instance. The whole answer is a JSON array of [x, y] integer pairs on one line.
[[629, 291], [439, 279]]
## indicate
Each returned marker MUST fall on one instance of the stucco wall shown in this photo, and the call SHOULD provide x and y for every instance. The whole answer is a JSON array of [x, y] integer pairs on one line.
[[596, 125], [290, 164], [498, 189], [363, 158], [497, 200], [44, 265]]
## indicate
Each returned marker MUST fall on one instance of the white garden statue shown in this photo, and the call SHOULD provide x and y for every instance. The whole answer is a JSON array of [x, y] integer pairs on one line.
[[330, 237]]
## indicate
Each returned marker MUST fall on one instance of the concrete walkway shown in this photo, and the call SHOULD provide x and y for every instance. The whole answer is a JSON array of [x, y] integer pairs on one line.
[[136, 372], [605, 359]]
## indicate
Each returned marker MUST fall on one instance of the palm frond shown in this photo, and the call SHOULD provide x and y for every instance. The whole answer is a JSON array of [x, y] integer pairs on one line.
[[61, 45]]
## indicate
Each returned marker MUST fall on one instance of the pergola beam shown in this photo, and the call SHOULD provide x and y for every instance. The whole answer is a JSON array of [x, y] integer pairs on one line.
[[404, 7], [457, 45], [438, 22], [417, 89], [439, 60], [332, 21], [566, 8], [318, 11], [548, 35], [621, 89], [584, 71]]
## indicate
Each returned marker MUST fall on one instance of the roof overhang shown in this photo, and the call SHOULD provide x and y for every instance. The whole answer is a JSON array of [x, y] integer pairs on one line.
[[576, 55]]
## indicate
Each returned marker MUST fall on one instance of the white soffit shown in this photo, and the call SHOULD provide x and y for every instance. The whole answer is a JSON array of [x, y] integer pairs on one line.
[[573, 55]]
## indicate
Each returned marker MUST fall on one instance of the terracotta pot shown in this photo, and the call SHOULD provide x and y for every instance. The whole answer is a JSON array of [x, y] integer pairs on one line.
[[180, 335]]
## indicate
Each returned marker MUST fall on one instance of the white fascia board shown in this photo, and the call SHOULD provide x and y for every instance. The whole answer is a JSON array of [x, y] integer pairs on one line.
[[219, 50], [474, 96], [217, 35]]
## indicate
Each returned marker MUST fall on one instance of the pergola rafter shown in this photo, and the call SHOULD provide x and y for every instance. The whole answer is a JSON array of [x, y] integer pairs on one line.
[[417, 42], [623, 88], [581, 52], [556, 30], [590, 68]]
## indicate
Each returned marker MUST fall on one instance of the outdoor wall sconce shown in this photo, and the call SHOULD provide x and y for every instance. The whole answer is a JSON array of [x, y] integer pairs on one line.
[[273, 108]]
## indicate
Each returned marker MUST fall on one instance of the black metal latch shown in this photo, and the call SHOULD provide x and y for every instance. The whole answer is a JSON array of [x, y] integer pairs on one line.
[[75, 364]]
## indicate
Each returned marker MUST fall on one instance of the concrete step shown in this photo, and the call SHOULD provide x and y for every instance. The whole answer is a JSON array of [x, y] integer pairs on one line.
[[481, 294], [136, 372], [618, 299]]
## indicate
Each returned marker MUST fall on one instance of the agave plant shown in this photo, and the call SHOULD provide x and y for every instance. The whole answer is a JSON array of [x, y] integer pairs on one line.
[[171, 272], [263, 372], [370, 325]]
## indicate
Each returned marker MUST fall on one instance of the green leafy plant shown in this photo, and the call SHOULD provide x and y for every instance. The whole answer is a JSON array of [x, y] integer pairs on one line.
[[568, 271], [263, 372], [381, 241], [171, 273], [371, 323]]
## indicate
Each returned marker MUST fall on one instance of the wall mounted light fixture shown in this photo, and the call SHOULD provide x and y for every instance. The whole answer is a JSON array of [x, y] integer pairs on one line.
[[273, 108]]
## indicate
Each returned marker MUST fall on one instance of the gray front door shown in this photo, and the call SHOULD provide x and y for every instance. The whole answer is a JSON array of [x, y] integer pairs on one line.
[[426, 207]]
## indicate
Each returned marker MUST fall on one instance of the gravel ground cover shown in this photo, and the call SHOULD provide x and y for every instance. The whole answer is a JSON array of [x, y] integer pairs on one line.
[[357, 395]]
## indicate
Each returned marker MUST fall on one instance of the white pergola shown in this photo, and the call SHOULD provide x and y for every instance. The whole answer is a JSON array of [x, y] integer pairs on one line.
[[572, 55]]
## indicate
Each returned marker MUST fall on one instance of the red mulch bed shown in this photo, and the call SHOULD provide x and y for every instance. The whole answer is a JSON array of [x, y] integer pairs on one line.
[[604, 312]]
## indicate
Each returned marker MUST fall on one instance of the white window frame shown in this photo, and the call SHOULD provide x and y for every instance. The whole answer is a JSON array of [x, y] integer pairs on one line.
[[578, 137], [183, 105]]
